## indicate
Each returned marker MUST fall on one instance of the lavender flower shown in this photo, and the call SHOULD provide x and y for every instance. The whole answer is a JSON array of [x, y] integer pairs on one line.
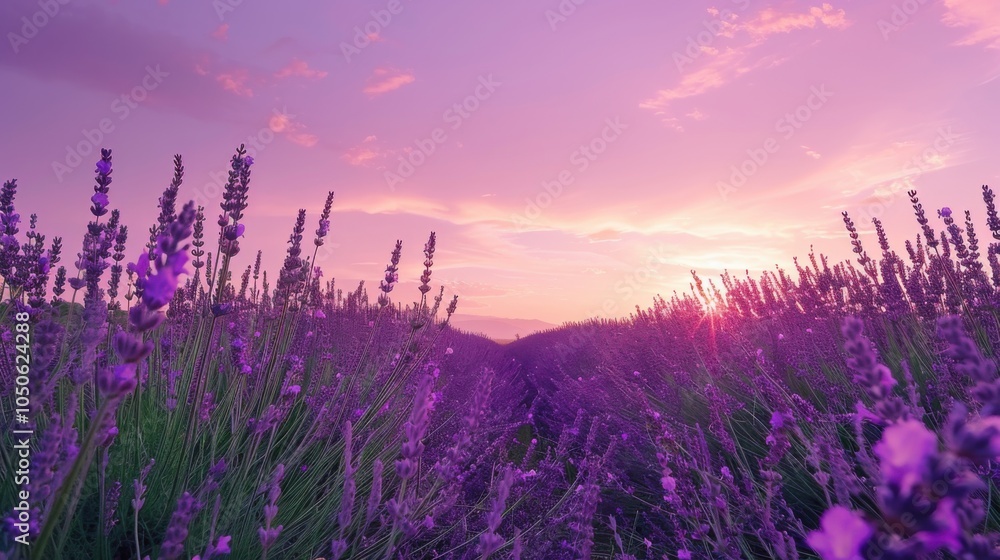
[[167, 205], [168, 264], [111, 506], [905, 453], [415, 428], [992, 220], [324, 221], [350, 485], [198, 238], [59, 284], [234, 193], [220, 547], [291, 273], [918, 209], [100, 197], [876, 378], [425, 278], [842, 536], [267, 532], [338, 547], [391, 275], [863, 257], [120, 237], [452, 307], [448, 466], [177, 531], [139, 486], [490, 541]]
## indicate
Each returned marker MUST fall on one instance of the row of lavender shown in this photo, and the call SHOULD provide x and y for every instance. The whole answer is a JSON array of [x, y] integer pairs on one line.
[[838, 411], [760, 420], [197, 417]]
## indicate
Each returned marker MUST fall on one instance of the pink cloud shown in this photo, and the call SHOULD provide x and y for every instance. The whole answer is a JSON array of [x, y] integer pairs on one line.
[[359, 155], [364, 153], [604, 235], [292, 130], [982, 17], [479, 289], [96, 33], [236, 82], [811, 152], [299, 68], [279, 122], [302, 139], [221, 32], [721, 65], [384, 80], [772, 21], [720, 70]]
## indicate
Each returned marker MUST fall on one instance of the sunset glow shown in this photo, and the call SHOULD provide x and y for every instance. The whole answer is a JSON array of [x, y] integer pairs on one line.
[[575, 158]]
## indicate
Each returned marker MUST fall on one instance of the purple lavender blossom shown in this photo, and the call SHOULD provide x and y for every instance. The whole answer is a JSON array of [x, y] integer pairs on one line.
[[177, 531], [415, 428], [324, 221], [100, 197], [490, 541], [905, 454], [391, 274], [268, 533], [842, 535]]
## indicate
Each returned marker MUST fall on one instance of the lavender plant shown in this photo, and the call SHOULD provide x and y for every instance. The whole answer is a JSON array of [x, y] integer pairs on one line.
[[838, 410]]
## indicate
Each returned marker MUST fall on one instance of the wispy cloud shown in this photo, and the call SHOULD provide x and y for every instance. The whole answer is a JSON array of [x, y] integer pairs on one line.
[[604, 235], [811, 152], [749, 69], [721, 69], [96, 33], [235, 82], [726, 63], [384, 80], [394, 205], [292, 130], [980, 17], [479, 289], [302, 138], [884, 168], [221, 32], [300, 68], [367, 153], [774, 21]]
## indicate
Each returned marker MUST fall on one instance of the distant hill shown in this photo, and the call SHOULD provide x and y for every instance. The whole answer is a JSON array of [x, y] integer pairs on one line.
[[500, 329]]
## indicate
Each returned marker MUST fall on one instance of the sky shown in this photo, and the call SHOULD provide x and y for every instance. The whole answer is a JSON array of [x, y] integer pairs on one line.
[[574, 157]]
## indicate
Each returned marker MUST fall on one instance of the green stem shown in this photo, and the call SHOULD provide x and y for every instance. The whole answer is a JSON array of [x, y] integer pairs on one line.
[[76, 475]]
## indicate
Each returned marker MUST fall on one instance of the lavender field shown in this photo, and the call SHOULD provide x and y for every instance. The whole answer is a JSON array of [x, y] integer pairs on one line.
[[519, 280], [177, 404]]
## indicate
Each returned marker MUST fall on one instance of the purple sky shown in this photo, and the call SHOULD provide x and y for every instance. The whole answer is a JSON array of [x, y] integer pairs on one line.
[[575, 158]]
